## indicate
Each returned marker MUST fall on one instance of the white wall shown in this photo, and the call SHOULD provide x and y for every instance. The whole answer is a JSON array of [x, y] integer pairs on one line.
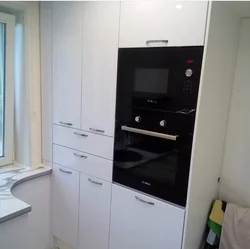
[[211, 120], [31, 230], [235, 181]]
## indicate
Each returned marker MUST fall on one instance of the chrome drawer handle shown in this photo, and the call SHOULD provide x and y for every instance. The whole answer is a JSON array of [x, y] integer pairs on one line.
[[81, 156], [65, 171], [156, 41], [98, 183], [96, 130], [143, 201], [65, 123], [80, 134]]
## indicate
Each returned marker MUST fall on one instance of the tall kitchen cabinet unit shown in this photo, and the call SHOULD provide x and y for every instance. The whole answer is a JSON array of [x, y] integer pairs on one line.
[[147, 222], [84, 64], [84, 38]]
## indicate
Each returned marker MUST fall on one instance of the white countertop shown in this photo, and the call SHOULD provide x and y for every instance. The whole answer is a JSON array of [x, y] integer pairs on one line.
[[10, 177]]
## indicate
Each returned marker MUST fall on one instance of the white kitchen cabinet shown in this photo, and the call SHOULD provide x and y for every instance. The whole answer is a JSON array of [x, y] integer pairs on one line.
[[140, 221], [99, 66], [171, 23], [65, 204], [66, 63], [95, 197], [84, 141], [83, 162]]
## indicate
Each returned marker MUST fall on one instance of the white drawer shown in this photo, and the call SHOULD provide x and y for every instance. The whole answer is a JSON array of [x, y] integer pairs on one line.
[[83, 162], [84, 141]]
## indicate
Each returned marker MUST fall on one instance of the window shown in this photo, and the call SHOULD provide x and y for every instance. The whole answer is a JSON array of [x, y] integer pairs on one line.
[[7, 35]]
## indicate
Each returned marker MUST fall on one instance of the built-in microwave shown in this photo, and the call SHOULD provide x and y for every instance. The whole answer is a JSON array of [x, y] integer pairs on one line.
[[163, 79]]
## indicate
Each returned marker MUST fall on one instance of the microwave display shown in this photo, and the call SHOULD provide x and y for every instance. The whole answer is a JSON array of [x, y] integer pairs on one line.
[[151, 80]]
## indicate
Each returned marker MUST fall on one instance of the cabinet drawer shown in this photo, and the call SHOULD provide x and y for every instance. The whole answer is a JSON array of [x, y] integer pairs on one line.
[[65, 204], [83, 162], [84, 141], [145, 222]]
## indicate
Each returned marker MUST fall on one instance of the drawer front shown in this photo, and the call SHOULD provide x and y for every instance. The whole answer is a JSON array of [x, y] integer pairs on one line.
[[84, 141], [83, 162]]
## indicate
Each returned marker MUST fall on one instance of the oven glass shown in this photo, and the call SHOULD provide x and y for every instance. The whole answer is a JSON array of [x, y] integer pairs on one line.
[[151, 80], [152, 165]]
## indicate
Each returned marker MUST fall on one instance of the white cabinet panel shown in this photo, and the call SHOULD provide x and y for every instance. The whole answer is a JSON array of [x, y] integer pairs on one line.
[[179, 23], [66, 63], [139, 221], [99, 66], [46, 79], [94, 213], [65, 204], [81, 161], [84, 141]]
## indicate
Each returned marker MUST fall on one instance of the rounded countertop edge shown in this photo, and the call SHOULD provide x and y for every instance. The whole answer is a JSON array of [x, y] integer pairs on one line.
[[48, 171], [21, 206]]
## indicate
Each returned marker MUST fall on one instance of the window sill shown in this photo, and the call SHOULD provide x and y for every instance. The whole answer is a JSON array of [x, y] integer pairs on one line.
[[10, 177]]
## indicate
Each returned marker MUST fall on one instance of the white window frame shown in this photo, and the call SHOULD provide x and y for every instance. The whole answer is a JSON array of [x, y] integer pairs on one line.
[[9, 20], [29, 152]]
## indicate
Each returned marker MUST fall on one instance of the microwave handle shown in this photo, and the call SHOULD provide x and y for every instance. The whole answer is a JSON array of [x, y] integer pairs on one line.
[[149, 133]]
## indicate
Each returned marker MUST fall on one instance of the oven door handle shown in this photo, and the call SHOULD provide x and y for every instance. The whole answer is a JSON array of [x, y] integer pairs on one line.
[[149, 133]]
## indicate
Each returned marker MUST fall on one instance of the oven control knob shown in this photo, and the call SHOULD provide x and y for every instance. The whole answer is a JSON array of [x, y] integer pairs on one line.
[[163, 123], [189, 72], [138, 119]]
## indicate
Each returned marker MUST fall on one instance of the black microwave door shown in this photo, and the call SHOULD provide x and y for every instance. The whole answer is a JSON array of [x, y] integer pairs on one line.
[[146, 77], [152, 79]]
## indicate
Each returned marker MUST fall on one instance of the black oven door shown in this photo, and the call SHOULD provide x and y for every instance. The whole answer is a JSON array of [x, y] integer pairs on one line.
[[154, 78], [155, 166]]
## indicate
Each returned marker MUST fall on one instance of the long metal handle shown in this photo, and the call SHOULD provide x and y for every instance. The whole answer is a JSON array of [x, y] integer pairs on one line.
[[149, 133], [146, 202], [80, 134], [65, 171], [96, 130], [149, 42], [95, 182], [65, 123], [81, 156]]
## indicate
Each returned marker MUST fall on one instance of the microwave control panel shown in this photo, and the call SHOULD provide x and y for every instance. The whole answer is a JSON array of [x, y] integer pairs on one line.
[[187, 87]]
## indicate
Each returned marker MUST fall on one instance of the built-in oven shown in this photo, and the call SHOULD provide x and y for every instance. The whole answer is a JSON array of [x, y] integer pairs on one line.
[[153, 165], [157, 90]]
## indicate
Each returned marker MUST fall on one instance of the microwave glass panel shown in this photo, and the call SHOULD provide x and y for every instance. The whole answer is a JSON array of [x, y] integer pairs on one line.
[[151, 80]]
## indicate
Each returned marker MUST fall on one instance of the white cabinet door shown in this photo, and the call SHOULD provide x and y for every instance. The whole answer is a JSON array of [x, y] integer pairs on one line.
[[99, 66], [173, 23], [95, 197], [139, 221], [65, 204], [66, 63]]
